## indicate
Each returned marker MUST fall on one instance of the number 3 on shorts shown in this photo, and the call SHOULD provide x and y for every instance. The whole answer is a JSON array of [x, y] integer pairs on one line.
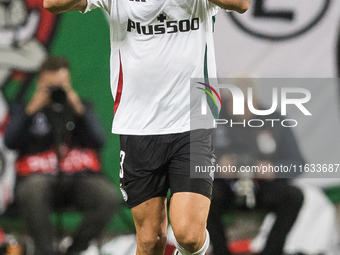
[[121, 171]]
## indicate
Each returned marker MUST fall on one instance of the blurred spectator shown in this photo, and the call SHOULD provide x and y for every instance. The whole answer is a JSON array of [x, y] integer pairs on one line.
[[58, 137], [242, 145]]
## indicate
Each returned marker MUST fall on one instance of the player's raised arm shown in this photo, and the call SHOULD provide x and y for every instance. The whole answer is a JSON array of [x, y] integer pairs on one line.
[[240, 6], [58, 6]]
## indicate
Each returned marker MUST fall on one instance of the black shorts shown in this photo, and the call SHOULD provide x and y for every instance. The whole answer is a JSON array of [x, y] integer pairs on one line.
[[153, 164]]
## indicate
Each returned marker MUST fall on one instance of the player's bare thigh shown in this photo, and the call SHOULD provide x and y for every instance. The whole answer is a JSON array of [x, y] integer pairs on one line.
[[150, 219]]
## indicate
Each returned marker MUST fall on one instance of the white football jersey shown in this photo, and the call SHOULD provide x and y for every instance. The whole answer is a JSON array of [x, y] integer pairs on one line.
[[156, 47]]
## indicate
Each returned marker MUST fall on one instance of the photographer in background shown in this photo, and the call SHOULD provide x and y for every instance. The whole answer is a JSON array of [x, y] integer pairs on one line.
[[242, 145], [58, 138]]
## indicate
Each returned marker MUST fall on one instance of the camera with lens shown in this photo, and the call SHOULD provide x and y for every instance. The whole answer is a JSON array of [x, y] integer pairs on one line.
[[57, 94]]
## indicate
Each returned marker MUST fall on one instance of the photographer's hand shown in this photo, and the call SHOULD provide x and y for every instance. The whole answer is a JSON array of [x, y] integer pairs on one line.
[[42, 96], [40, 99], [75, 102], [62, 78]]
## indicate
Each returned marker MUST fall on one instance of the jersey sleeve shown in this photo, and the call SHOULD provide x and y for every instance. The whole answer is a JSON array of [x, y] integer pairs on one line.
[[213, 8], [93, 4]]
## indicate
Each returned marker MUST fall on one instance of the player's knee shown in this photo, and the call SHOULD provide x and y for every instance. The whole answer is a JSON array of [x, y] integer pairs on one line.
[[153, 242], [189, 237]]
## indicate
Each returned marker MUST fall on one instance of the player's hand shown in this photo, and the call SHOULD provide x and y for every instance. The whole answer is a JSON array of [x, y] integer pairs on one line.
[[57, 6]]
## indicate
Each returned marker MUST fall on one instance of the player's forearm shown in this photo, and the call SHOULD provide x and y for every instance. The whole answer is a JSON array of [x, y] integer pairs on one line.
[[58, 6], [240, 6]]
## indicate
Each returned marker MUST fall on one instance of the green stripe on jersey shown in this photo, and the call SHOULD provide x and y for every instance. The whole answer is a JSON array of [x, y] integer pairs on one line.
[[211, 103]]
